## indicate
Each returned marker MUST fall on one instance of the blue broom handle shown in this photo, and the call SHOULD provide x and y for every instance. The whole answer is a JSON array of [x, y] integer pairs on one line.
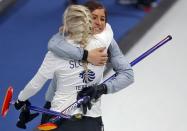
[[145, 54], [61, 114]]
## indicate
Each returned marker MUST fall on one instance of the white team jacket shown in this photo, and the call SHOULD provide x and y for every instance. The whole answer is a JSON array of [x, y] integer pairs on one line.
[[70, 76]]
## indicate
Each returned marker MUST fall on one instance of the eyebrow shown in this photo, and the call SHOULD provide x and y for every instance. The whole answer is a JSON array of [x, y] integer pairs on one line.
[[97, 15]]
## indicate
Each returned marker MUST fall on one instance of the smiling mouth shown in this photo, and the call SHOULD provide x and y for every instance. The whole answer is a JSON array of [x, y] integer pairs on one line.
[[97, 29]]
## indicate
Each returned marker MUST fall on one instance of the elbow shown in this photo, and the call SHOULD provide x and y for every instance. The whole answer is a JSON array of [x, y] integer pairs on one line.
[[50, 46], [128, 77], [131, 81], [131, 77]]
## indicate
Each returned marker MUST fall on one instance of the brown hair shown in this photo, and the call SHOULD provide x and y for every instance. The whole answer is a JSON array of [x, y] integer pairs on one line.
[[93, 5]]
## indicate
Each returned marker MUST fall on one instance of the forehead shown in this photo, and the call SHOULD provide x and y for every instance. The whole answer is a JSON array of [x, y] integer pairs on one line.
[[99, 12]]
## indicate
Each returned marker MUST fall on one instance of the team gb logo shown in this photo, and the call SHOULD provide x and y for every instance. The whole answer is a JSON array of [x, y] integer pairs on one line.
[[87, 78]]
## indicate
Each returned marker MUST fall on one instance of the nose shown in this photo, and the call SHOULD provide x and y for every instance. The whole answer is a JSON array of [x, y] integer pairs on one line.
[[98, 22]]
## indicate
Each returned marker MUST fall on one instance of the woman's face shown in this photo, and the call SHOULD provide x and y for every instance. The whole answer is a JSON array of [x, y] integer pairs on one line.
[[99, 20]]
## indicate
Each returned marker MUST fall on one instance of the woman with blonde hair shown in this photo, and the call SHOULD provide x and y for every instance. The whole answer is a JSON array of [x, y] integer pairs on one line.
[[124, 73], [102, 30], [71, 75]]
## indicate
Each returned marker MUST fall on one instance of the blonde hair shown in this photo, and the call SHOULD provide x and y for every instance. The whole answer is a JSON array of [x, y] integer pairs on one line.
[[78, 26]]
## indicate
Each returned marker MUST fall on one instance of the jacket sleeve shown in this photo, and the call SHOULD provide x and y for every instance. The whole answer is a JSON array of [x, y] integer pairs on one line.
[[44, 73], [58, 45], [32, 87], [50, 93], [124, 73]]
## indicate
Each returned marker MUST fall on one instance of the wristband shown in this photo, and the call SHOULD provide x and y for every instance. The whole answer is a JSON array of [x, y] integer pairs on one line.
[[85, 55]]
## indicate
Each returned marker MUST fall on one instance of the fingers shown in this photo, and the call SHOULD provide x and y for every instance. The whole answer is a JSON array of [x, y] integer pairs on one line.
[[102, 61], [84, 108], [23, 117], [21, 125], [98, 56], [89, 105], [85, 105], [101, 49]]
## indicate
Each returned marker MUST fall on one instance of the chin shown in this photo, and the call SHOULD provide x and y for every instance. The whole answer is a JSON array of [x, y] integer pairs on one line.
[[97, 31]]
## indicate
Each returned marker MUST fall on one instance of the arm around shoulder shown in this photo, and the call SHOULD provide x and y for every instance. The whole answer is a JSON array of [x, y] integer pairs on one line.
[[58, 45]]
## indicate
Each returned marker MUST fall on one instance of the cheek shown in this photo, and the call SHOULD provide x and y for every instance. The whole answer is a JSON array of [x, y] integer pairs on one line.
[[103, 25], [94, 23]]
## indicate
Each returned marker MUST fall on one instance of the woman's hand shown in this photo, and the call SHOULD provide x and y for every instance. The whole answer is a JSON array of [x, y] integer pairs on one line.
[[98, 56]]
